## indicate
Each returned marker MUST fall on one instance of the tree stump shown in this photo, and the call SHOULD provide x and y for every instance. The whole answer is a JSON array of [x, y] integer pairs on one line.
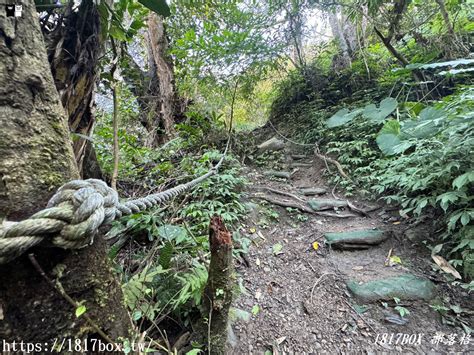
[[218, 291]]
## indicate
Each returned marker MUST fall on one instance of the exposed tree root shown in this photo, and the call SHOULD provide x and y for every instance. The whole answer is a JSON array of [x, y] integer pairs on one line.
[[280, 192], [303, 208], [332, 161]]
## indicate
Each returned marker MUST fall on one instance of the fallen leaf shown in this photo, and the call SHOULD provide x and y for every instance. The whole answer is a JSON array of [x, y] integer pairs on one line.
[[315, 245], [395, 260], [358, 268], [255, 309], [277, 249], [445, 266], [258, 294], [280, 340], [252, 230], [397, 222], [261, 235], [257, 262]]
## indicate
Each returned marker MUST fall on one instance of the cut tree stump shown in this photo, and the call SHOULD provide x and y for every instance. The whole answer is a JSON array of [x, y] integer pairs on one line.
[[218, 291], [361, 239]]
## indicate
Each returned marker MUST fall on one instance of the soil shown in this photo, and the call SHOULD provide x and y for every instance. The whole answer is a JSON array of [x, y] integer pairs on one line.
[[299, 298]]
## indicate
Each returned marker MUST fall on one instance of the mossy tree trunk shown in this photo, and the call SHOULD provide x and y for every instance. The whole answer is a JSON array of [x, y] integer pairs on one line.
[[36, 157]]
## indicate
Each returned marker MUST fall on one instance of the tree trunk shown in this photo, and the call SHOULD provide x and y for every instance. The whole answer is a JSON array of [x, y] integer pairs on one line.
[[164, 69], [343, 60], [36, 158], [74, 49]]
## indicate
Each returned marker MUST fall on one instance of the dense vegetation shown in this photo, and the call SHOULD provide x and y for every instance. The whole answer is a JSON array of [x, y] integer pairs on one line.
[[152, 91], [398, 118]]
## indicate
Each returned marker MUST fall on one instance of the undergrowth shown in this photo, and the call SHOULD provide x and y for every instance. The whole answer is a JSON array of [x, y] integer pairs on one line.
[[408, 145], [162, 254]]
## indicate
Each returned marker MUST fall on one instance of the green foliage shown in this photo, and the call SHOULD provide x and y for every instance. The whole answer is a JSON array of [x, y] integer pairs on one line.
[[217, 195]]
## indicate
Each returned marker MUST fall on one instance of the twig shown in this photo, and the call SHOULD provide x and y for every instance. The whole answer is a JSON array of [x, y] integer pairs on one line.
[[354, 208], [317, 282], [360, 316], [68, 298], [288, 139], [334, 189]]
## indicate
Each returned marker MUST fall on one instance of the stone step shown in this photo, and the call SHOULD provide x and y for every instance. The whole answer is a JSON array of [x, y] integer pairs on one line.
[[312, 191], [278, 174], [301, 165], [321, 204], [298, 156], [360, 239], [404, 287]]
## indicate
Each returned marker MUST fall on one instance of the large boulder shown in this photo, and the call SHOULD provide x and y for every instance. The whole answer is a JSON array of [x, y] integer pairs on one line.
[[271, 145]]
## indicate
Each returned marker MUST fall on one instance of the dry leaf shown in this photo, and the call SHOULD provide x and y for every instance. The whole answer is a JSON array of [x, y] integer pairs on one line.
[[315, 245], [257, 261], [397, 222], [258, 294], [445, 266], [252, 230]]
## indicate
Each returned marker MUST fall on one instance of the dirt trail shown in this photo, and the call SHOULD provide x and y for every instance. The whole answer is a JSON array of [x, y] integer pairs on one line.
[[299, 297]]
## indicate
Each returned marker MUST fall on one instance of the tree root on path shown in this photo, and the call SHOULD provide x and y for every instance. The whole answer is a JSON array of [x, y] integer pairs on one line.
[[293, 204], [332, 161], [280, 192]]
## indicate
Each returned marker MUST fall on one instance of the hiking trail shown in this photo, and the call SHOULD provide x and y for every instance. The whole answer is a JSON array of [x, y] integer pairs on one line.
[[295, 286]]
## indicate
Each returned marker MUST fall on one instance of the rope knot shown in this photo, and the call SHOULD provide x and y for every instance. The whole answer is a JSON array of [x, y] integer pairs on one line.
[[71, 220], [92, 203]]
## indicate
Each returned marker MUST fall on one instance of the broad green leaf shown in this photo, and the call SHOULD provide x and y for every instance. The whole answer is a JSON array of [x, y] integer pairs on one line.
[[387, 106], [389, 137], [387, 142], [170, 232], [341, 117], [158, 6]]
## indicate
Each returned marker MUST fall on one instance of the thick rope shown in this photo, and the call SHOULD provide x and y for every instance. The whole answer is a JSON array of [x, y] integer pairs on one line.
[[75, 213]]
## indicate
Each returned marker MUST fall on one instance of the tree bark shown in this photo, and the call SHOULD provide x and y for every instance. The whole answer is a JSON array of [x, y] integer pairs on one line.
[[344, 59], [74, 49], [164, 69], [36, 158]]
